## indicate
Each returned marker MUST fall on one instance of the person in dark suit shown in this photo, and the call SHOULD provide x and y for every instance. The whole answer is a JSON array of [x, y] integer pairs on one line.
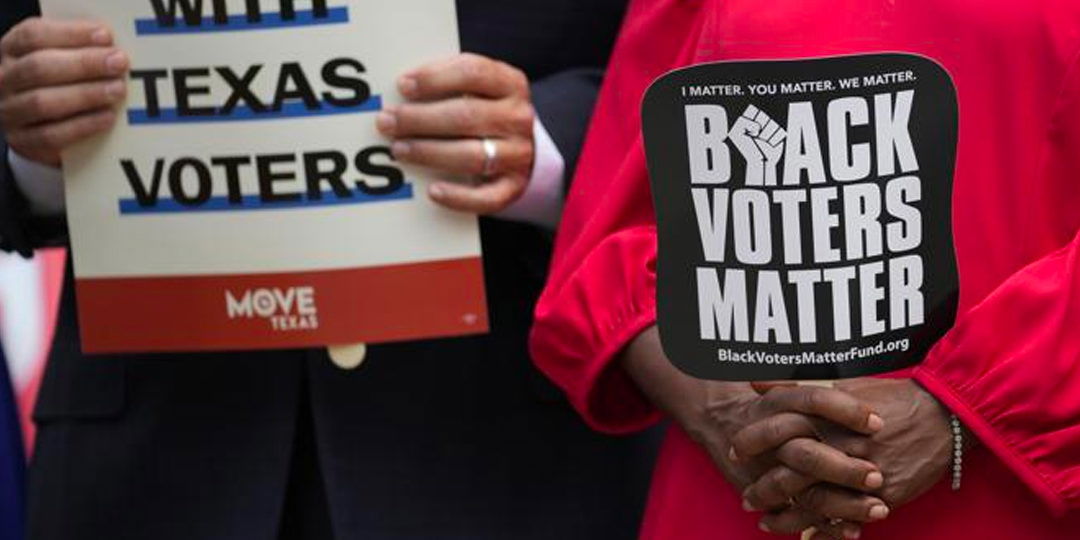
[[446, 439], [12, 462]]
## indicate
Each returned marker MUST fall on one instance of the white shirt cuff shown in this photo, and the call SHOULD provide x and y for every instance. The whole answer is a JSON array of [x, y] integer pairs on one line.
[[42, 185], [542, 202]]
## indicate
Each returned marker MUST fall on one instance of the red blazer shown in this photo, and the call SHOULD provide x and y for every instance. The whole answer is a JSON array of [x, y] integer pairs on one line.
[[1010, 368]]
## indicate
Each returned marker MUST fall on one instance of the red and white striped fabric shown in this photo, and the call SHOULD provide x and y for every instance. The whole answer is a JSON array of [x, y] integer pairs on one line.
[[29, 295]]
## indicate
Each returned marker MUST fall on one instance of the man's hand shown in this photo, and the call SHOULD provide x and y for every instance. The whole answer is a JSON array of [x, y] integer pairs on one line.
[[717, 415], [913, 451], [59, 84], [453, 105]]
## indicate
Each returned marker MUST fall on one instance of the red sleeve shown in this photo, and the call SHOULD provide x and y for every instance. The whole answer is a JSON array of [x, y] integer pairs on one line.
[[601, 290], [1010, 368]]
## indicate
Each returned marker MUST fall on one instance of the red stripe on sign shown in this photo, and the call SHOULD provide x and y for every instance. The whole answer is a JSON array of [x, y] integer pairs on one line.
[[273, 311]]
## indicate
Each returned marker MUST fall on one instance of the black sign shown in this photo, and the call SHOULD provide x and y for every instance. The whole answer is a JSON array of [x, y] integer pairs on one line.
[[804, 213]]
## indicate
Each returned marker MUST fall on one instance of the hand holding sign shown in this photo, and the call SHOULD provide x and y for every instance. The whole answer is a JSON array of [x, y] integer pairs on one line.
[[454, 105], [222, 211], [59, 82]]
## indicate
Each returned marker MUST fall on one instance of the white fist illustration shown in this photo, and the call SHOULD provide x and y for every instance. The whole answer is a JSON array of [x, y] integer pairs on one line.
[[761, 141]]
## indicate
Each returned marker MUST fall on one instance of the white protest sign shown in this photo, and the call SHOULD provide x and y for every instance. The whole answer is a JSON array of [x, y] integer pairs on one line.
[[245, 199]]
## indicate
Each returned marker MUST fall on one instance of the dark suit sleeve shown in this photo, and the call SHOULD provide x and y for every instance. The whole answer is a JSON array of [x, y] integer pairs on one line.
[[13, 210], [564, 103], [20, 231], [14, 11]]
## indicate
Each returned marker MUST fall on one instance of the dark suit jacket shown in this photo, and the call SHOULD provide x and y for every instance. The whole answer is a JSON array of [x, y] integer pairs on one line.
[[455, 438], [14, 11], [12, 461]]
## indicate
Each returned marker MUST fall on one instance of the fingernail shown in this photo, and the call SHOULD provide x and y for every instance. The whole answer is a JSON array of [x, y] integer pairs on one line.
[[732, 455], [386, 122], [874, 480], [879, 512], [408, 86], [116, 63], [875, 422], [437, 191], [115, 90], [747, 506], [400, 149], [852, 533], [761, 525], [101, 36]]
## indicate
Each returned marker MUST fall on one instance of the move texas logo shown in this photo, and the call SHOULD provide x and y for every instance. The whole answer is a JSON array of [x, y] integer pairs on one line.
[[804, 214], [285, 310]]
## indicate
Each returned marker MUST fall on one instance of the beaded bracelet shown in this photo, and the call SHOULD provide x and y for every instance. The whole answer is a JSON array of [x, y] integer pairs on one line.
[[958, 451]]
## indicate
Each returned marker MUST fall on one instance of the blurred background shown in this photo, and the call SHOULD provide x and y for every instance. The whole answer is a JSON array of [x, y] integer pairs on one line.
[[29, 291]]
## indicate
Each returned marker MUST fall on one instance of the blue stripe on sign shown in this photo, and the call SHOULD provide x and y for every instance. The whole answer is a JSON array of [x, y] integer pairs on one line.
[[295, 109], [253, 202], [236, 23]]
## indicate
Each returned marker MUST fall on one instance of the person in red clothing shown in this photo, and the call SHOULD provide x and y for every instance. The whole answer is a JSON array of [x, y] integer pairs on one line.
[[1009, 368]]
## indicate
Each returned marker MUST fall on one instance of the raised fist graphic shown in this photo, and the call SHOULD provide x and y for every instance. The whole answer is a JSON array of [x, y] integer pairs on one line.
[[761, 141]]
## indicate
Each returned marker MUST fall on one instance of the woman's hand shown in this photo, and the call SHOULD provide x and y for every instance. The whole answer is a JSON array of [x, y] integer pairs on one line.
[[713, 413], [913, 451], [454, 105], [59, 84]]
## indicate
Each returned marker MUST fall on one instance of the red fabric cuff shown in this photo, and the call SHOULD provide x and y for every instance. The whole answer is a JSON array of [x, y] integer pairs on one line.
[[954, 400], [612, 402], [584, 323]]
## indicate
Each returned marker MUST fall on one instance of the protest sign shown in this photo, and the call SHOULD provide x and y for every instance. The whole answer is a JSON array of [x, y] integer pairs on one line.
[[804, 213], [245, 200]]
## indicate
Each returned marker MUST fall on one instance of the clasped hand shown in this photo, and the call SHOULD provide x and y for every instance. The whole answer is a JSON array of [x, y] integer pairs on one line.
[[907, 444], [827, 459]]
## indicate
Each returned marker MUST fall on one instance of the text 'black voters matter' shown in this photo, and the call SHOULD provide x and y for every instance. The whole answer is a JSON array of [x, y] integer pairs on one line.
[[804, 214]]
